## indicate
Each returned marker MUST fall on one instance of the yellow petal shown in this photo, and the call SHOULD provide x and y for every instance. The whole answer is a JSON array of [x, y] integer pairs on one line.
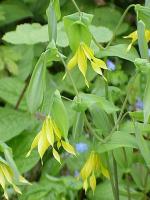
[[72, 62], [134, 37], [56, 130], [93, 182], [17, 189], [23, 180], [104, 171], [49, 131], [147, 35], [88, 51], [43, 144], [87, 168], [2, 179], [96, 68], [7, 173], [82, 63], [68, 147], [100, 63], [85, 185], [34, 144], [58, 144], [56, 155]]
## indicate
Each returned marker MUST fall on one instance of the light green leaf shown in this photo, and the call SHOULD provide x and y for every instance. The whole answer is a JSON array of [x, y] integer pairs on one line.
[[118, 140], [147, 100], [101, 34], [78, 124], [36, 88], [142, 144], [119, 50], [143, 14], [12, 123], [59, 114], [27, 34], [88, 100]]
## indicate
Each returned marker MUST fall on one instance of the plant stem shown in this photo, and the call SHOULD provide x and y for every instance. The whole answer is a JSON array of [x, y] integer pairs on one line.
[[116, 177], [68, 72], [119, 23], [111, 177], [22, 93], [76, 6], [126, 175], [91, 130]]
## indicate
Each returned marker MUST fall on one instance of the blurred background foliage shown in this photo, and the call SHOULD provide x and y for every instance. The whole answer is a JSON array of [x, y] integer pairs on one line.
[[23, 33]]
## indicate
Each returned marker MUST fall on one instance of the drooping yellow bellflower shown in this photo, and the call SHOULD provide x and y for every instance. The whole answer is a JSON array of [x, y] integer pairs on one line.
[[80, 58], [48, 136], [7, 177], [134, 36], [91, 168]]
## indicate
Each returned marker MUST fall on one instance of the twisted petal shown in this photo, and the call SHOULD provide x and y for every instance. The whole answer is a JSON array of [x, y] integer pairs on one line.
[[88, 51], [2, 182], [104, 171], [68, 147], [56, 155], [49, 131], [85, 185], [73, 61], [87, 168], [56, 130], [93, 182], [82, 63], [147, 35], [34, 144], [43, 144], [134, 37]]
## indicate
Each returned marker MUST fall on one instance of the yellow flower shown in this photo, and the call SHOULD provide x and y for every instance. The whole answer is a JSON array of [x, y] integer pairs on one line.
[[91, 168], [134, 36], [80, 58], [7, 177], [48, 136]]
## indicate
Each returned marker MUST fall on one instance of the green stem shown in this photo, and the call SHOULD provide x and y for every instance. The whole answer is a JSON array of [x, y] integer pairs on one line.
[[111, 177], [68, 72], [76, 6], [116, 177], [119, 23], [122, 108], [91, 130], [127, 176]]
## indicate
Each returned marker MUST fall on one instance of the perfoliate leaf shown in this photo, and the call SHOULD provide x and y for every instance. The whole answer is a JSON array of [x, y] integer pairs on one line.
[[36, 86]]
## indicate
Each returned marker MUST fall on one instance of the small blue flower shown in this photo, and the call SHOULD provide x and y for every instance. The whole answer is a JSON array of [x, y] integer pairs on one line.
[[149, 52], [111, 66], [81, 147], [76, 173], [139, 104]]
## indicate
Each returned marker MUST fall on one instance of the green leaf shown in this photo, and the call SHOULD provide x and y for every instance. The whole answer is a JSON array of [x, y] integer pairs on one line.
[[36, 88], [118, 140], [13, 11], [57, 9], [20, 150], [143, 14], [146, 100], [142, 144], [62, 39], [10, 90], [147, 3], [101, 34], [12, 123], [78, 124], [27, 34], [77, 33], [59, 114], [100, 119], [52, 22], [143, 47], [119, 50], [88, 100]]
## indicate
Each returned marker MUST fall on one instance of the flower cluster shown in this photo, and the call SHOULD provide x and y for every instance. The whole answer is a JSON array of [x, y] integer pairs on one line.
[[48, 136], [91, 168], [7, 177], [134, 36], [80, 58]]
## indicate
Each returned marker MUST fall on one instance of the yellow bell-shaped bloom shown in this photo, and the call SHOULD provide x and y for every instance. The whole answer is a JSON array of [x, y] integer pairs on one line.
[[82, 55], [7, 177], [91, 168], [134, 36], [48, 136]]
